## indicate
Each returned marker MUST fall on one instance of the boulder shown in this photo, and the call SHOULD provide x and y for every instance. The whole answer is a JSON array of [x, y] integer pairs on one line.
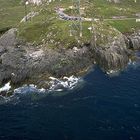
[[133, 40], [9, 38]]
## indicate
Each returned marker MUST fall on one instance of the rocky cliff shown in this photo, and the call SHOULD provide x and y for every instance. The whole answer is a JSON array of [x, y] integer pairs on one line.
[[23, 63], [110, 50], [133, 40]]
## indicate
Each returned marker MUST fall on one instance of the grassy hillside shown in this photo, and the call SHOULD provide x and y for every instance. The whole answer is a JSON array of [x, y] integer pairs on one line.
[[47, 28], [104, 9], [11, 12], [126, 9]]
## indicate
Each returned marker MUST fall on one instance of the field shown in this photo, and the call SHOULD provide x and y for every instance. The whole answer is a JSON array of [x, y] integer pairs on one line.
[[11, 12]]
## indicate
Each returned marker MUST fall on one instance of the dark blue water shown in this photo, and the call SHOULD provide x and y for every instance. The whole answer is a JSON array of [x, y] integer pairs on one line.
[[104, 108]]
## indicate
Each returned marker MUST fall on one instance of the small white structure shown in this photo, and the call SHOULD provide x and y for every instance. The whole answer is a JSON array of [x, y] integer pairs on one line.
[[115, 1], [27, 2], [138, 20], [37, 2]]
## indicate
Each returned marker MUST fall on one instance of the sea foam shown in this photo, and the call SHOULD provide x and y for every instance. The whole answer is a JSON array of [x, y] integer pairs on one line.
[[66, 83], [5, 88]]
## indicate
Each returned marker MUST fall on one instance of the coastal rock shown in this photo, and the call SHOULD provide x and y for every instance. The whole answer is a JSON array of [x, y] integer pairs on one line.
[[9, 38], [109, 50], [133, 41], [21, 63]]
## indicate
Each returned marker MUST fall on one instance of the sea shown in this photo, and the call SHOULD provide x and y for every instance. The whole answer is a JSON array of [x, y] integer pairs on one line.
[[100, 107]]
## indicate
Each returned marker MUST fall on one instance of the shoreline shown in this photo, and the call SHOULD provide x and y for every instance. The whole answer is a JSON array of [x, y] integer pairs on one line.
[[25, 64]]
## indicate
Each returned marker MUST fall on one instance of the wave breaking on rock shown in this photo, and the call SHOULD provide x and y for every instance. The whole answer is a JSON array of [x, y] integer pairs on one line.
[[55, 85], [64, 84]]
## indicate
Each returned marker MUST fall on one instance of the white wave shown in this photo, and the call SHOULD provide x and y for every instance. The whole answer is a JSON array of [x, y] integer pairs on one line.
[[134, 64], [28, 89], [66, 83], [131, 62], [6, 87], [113, 73]]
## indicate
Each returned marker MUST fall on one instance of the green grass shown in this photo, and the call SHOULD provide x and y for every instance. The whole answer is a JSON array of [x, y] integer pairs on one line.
[[125, 25], [47, 28], [102, 8], [11, 12], [54, 33]]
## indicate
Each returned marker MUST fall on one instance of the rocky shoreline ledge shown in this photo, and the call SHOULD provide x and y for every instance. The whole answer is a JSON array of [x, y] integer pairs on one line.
[[23, 63]]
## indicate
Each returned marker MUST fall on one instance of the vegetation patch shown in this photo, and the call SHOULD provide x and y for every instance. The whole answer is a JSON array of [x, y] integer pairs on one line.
[[48, 29]]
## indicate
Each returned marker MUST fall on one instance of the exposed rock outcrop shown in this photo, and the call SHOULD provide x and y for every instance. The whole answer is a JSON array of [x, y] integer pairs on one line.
[[110, 51], [26, 63], [133, 41], [9, 38]]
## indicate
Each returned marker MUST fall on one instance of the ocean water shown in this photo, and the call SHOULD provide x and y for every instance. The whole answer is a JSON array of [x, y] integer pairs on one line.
[[102, 107]]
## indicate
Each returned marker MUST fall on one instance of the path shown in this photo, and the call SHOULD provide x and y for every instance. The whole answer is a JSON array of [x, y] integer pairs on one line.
[[62, 15]]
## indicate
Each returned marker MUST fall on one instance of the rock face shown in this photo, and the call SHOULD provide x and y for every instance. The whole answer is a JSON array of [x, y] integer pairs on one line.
[[111, 55], [29, 64], [9, 38], [24, 63], [133, 41]]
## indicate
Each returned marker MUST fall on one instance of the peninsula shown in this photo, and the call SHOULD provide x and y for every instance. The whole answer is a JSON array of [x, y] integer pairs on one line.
[[39, 39]]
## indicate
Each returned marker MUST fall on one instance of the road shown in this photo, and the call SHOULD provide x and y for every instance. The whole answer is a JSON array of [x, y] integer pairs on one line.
[[64, 16]]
